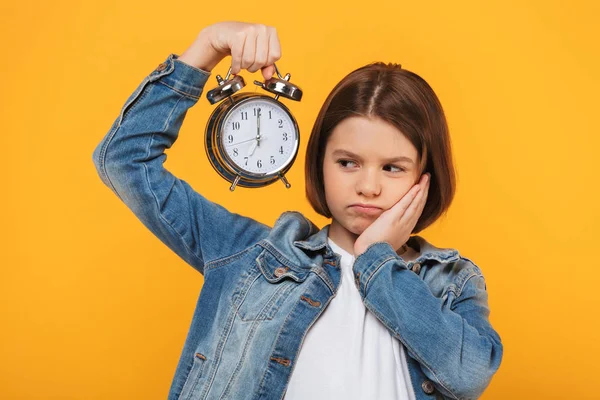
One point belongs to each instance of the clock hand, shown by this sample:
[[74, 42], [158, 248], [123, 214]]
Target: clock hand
[[255, 145], [258, 138], [258, 128], [247, 140], [243, 141], [252, 149]]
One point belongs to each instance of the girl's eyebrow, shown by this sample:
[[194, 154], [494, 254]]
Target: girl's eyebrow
[[351, 154]]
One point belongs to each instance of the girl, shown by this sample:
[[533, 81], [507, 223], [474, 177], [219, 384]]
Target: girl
[[358, 309]]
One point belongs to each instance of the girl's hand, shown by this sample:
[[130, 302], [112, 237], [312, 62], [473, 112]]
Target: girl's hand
[[396, 224], [251, 46]]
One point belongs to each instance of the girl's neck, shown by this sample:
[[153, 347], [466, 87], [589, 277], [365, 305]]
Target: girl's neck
[[342, 237]]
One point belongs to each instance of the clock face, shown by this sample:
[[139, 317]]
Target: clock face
[[259, 136]]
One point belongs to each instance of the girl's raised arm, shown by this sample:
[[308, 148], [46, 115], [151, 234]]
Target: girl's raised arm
[[130, 157]]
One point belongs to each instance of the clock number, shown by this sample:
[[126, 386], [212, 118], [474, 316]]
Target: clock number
[[280, 123], [285, 137], [256, 111], [270, 114], [230, 138], [281, 150], [259, 164], [272, 160], [235, 125], [244, 115], [235, 152], [246, 158]]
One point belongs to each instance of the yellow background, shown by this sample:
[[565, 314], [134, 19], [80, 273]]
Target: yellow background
[[93, 306]]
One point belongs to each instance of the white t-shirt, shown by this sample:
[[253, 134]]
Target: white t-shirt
[[348, 353]]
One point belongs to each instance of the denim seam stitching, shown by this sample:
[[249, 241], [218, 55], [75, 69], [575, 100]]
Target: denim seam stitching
[[244, 295], [239, 293], [122, 114], [261, 387], [368, 247], [156, 200], [280, 257], [374, 271], [169, 223], [265, 243], [135, 101], [103, 159], [219, 262], [466, 281], [180, 91], [193, 68], [263, 266], [325, 278], [134, 97], [219, 351], [197, 375], [247, 343]]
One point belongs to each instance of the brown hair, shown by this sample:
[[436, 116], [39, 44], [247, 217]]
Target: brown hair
[[403, 99]]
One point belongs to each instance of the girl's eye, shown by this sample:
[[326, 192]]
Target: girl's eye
[[399, 168], [344, 163]]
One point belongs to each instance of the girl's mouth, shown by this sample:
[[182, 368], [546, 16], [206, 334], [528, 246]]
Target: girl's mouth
[[365, 210]]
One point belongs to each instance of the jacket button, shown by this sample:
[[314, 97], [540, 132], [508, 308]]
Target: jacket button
[[416, 268], [330, 262], [279, 271], [428, 387], [161, 66]]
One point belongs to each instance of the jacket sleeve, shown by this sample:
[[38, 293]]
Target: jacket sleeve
[[451, 337], [129, 160]]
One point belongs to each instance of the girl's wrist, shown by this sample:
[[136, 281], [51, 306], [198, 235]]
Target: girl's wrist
[[201, 54]]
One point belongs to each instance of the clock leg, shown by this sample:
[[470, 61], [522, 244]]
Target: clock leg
[[235, 182], [282, 177]]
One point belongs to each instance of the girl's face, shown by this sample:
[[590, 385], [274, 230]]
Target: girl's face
[[366, 161]]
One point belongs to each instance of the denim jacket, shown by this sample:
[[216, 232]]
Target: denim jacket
[[265, 286]]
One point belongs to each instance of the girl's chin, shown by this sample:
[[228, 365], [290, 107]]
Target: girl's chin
[[357, 225]]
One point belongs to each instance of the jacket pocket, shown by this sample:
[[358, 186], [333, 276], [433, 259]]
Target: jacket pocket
[[270, 284], [190, 387]]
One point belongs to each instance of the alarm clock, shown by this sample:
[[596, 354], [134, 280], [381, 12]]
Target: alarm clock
[[252, 139]]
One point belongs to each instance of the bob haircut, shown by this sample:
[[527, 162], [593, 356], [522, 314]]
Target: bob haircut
[[403, 99]]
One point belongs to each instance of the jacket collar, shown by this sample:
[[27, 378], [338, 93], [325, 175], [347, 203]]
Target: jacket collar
[[316, 239]]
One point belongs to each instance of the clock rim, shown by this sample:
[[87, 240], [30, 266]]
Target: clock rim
[[219, 158]]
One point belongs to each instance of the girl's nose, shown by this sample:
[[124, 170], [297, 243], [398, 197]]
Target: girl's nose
[[368, 185]]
